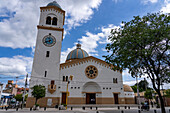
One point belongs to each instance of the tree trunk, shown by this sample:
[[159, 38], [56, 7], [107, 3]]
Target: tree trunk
[[161, 102]]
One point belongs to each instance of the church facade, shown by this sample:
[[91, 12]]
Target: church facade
[[88, 80]]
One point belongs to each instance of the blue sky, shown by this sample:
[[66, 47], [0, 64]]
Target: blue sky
[[87, 21]]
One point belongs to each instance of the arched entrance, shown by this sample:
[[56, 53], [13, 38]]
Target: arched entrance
[[90, 89]]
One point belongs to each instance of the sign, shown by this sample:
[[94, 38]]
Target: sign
[[49, 102]]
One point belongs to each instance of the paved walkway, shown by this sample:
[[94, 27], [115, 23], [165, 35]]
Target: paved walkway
[[79, 110]]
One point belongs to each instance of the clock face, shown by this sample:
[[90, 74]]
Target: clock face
[[49, 40], [91, 72]]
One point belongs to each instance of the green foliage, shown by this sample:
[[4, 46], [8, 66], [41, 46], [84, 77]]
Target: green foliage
[[38, 91], [148, 94], [142, 46], [143, 85], [167, 93], [26, 96], [134, 87], [37, 105], [18, 97]]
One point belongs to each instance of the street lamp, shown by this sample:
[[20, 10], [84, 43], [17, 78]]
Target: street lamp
[[67, 93], [138, 91]]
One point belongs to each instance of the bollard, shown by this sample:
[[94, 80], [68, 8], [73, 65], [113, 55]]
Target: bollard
[[125, 107], [71, 108], [139, 111], [118, 107], [96, 108], [97, 111], [2, 107], [30, 109], [90, 107], [129, 107], [138, 107], [122, 111], [45, 108], [17, 109], [169, 110], [6, 108], [155, 111], [83, 108]]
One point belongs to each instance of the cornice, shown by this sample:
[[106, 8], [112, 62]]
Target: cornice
[[56, 8], [84, 60], [52, 28]]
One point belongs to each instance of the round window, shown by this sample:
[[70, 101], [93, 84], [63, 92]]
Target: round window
[[91, 72]]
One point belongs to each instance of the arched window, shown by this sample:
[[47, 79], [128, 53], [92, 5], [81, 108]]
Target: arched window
[[54, 21], [48, 20]]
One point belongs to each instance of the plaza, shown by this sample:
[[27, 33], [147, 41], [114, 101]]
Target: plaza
[[88, 110]]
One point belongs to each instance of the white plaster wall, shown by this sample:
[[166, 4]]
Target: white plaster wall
[[51, 64], [129, 94], [52, 13], [104, 79]]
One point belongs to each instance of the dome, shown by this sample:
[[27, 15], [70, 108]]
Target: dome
[[77, 53], [54, 3], [127, 88]]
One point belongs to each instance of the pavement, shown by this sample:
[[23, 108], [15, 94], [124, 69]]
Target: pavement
[[80, 110]]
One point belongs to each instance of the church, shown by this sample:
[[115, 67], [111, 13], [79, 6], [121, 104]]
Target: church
[[88, 80]]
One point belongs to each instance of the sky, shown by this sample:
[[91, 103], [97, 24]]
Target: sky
[[87, 21]]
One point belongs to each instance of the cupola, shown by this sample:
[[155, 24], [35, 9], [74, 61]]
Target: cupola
[[77, 53]]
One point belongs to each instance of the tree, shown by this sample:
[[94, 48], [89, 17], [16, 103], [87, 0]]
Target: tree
[[148, 94], [167, 93], [38, 92], [142, 45], [26, 96], [143, 85], [18, 97]]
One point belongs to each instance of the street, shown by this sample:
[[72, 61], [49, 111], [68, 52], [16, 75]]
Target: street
[[78, 110]]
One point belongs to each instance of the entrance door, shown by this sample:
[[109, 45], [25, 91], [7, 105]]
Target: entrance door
[[63, 101], [116, 98], [90, 98]]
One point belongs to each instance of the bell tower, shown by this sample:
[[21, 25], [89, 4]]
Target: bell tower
[[46, 63]]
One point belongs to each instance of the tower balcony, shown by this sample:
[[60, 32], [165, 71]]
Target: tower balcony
[[51, 88]]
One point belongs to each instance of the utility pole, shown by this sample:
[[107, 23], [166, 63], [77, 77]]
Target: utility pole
[[24, 91]]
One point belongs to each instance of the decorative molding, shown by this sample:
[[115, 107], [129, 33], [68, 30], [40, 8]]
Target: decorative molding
[[87, 59], [51, 89], [52, 28], [116, 92], [91, 92]]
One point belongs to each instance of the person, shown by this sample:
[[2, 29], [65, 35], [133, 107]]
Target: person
[[152, 104], [146, 105]]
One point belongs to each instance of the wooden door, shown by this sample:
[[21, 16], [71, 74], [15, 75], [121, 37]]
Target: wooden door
[[116, 98], [63, 101], [90, 98], [87, 98]]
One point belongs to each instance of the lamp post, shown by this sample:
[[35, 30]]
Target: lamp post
[[67, 93], [24, 91], [138, 91]]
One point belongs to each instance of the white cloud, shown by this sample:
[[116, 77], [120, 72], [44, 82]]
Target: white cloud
[[19, 31], [149, 1], [15, 66], [65, 53], [90, 41], [166, 7], [79, 11], [106, 32]]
